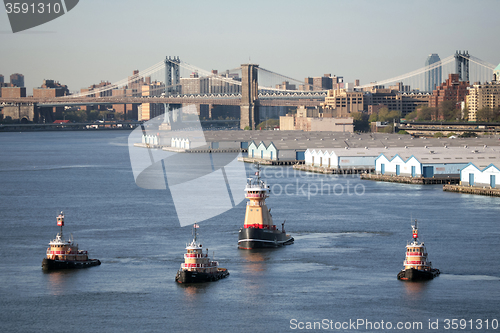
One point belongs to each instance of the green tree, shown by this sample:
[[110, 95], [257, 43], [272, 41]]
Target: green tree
[[388, 129], [270, 123], [468, 135], [412, 115], [403, 132], [93, 115], [77, 116], [438, 135], [385, 115], [488, 115], [360, 120], [373, 117], [425, 113], [247, 128], [447, 110]]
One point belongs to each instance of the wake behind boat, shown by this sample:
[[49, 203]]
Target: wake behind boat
[[417, 267], [258, 230]]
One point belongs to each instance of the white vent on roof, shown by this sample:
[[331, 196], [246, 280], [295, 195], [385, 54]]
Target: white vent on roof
[[406, 147], [431, 151], [465, 147], [475, 151], [366, 147], [385, 147], [346, 148], [426, 147]]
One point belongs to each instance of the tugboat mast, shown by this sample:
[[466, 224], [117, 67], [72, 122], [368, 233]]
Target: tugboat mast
[[415, 231], [195, 226], [60, 222]]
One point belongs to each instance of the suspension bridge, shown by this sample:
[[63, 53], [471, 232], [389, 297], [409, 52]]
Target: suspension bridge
[[171, 83]]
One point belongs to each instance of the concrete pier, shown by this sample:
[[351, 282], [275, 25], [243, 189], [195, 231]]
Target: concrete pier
[[410, 180], [325, 170], [267, 162], [493, 192]]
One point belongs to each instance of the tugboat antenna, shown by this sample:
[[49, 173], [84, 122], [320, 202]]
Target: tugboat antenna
[[60, 222], [195, 226]]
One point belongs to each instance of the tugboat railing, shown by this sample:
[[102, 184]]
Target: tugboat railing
[[258, 203], [211, 264], [194, 255]]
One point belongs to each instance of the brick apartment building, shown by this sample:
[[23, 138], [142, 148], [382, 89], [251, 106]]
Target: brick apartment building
[[451, 90]]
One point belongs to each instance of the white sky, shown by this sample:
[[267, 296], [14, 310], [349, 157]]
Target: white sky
[[367, 40]]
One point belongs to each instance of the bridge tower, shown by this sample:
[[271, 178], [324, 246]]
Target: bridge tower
[[249, 106], [462, 65], [172, 86], [172, 76]]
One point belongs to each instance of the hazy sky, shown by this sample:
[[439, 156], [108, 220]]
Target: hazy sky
[[367, 40]]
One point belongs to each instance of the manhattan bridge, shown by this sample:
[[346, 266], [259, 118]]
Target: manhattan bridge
[[173, 83]]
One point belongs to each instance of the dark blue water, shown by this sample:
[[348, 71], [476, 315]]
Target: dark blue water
[[349, 248]]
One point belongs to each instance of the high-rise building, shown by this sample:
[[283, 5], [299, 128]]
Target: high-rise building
[[482, 96], [340, 103], [1, 78], [152, 110], [394, 99], [17, 80], [433, 76], [451, 90]]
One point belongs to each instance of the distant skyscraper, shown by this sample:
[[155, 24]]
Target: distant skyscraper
[[1, 78], [433, 76], [17, 79]]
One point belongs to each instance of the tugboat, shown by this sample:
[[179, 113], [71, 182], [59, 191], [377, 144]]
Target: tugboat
[[258, 230], [65, 254], [417, 267], [198, 267]]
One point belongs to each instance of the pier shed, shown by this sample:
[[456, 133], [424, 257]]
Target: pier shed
[[471, 175], [432, 162], [279, 151], [343, 158]]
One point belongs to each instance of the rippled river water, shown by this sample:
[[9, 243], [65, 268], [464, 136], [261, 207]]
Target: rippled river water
[[349, 247]]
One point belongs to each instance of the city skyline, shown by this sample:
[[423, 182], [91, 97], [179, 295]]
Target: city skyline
[[365, 40]]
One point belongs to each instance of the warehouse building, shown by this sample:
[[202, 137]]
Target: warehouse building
[[471, 175], [433, 162], [343, 158]]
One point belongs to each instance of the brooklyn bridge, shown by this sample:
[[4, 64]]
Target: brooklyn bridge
[[248, 87]]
